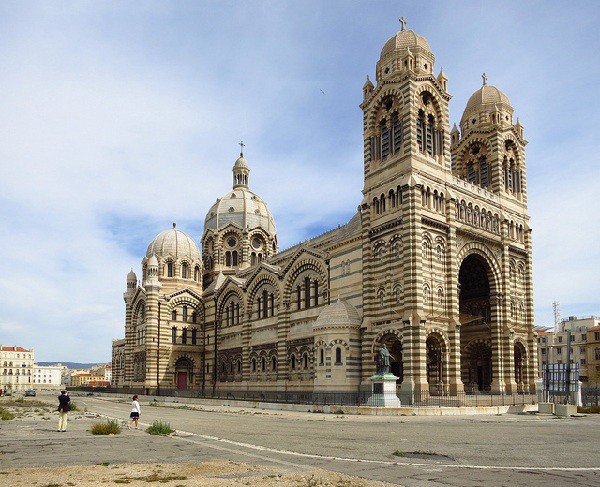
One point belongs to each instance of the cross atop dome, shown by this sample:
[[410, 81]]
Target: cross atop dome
[[484, 76], [242, 145], [403, 22]]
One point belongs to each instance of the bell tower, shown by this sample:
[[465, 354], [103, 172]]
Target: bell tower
[[406, 166]]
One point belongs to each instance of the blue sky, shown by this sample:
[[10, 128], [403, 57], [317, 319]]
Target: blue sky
[[118, 118]]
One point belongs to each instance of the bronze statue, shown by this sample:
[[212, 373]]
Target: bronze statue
[[383, 360]]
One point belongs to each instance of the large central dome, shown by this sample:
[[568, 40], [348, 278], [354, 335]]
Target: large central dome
[[240, 206], [243, 208]]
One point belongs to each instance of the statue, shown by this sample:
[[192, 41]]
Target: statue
[[383, 360]]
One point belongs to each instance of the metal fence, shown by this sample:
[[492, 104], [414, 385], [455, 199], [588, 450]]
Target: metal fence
[[590, 396], [423, 399]]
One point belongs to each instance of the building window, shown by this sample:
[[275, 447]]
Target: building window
[[173, 335], [273, 363], [184, 270], [185, 313], [338, 356], [293, 362], [322, 356], [263, 364], [184, 336], [253, 365], [196, 273], [174, 315], [170, 269], [597, 335]]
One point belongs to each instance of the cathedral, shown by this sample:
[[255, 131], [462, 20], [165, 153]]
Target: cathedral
[[435, 264]]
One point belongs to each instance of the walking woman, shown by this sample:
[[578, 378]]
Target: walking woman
[[135, 413]]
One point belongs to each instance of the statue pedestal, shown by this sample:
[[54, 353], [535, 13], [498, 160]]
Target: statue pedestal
[[383, 391]]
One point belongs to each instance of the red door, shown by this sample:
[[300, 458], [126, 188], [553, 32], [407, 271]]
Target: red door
[[181, 380]]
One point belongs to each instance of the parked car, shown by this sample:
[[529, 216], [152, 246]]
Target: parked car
[[30, 393]]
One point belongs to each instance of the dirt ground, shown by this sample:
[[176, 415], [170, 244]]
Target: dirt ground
[[204, 474]]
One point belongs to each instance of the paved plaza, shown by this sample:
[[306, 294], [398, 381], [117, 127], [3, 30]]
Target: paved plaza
[[524, 449]]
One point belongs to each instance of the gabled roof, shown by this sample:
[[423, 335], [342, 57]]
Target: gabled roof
[[14, 349]]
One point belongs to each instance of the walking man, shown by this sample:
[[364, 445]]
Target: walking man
[[63, 409]]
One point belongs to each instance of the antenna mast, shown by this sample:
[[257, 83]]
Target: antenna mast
[[556, 308]]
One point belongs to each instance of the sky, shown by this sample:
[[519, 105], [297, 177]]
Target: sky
[[119, 118]]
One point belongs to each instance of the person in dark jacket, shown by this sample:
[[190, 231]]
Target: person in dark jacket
[[63, 409]]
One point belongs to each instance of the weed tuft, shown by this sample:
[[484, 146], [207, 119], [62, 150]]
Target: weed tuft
[[160, 428], [111, 427]]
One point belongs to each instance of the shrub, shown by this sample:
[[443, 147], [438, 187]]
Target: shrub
[[73, 406], [111, 427], [160, 428], [6, 415]]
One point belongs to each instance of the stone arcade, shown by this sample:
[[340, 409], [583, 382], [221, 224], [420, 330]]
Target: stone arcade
[[436, 264]]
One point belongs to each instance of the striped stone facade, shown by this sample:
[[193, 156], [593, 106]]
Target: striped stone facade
[[436, 264]]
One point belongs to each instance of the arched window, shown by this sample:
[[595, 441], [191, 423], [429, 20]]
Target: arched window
[[253, 258], [376, 206], [265, 303], [228, 258], [170, 269], [322, 357], [392, 198], [425, 294], [299, 297], [305, 360], [196, 273], [421, 130], [235, 258], [185, 313], [338, 356], [239, 366], [398, 295], [316, 293], [194, 336], [253, 365], [381, 298], [173, 335], [263, 364], [382, 203], [184, 270], [273, 363], [184, 336], [293, 362], [194, 317], [307, 292], [174, 315], [398, 196], [385, 140]]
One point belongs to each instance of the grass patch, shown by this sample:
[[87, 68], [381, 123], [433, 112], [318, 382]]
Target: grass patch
[[111, 427], [589, 409], [399, 453], [73, 405], [6, 415], [160, 428], [153, 404], [104, 464], [122, 481], [338, 411], [22, 403], [425, 452]]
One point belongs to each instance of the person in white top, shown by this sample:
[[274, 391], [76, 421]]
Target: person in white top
[[135, 413]]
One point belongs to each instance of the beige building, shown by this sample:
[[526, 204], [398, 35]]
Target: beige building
[[17, 368], [593, 355], [47, 375], [571, 339], [436, 264]]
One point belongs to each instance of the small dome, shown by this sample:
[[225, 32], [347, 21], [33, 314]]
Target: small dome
[[405, 39], [173, 243], [152, 261], [486, 95], [243, 208], [131, 275], [241, 163], [339, 313]]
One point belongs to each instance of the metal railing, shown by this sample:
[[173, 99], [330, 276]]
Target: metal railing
[[412, 399]]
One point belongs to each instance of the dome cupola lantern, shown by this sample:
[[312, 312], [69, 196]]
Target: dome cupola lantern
[[241, 171]]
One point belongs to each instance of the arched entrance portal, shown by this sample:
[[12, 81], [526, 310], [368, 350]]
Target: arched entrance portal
[[435, 363], [520, 366], [183, 372], [394, 345], [475, 316]]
